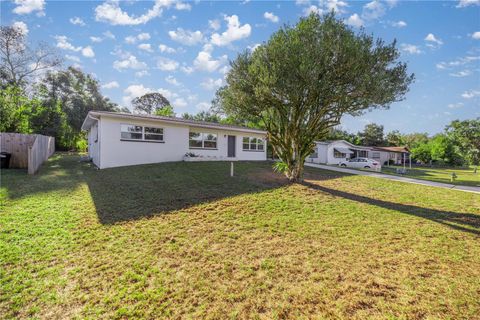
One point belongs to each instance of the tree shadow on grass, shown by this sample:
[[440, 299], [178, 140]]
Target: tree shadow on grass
[[131, 193], [465, 222]]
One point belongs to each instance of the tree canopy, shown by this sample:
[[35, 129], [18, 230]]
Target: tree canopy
[[306, 77], [372, 135], [151, 103], [19, 61]]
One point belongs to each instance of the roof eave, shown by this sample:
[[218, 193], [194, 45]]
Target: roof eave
[[190, 124]]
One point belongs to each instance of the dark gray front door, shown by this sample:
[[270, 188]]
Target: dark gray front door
[[231, 146]]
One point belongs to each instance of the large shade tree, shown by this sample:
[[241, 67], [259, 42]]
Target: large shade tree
[[153, 103], [466, 137], [19, 61], [372, 135], [306, 77]]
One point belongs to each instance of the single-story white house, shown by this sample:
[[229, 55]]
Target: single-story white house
[[122, 139], [334, 152]]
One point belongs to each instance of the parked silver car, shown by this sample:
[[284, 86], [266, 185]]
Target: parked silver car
[[362, 163]]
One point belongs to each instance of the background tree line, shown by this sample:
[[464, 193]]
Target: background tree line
[[458, 144]]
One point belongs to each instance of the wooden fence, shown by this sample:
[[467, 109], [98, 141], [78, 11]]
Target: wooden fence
[[28, 151]]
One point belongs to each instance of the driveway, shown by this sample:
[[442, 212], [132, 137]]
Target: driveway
[[395, 178]]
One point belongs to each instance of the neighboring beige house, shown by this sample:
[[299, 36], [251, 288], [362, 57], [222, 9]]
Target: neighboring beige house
[[334, 152], [123, 139]]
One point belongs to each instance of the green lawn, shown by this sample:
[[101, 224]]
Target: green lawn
[[184, 240], [465, 177]]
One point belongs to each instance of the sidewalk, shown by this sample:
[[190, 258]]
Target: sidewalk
[[395, 178]]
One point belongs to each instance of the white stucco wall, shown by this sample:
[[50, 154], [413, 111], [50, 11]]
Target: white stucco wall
[[116, 153], [93, 144], [336, 144]]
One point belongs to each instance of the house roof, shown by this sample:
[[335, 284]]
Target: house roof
[[95, 115], [353, 146], [392, 149]]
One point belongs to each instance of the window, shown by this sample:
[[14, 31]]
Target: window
[[376, 155], [155, 134], [134, 132], [131, 132], [253, 144], [203, 140], [363, 153], [337, 154]]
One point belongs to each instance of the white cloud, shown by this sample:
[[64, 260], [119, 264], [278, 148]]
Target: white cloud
[[130, 39], [141, 73], [134, 91], [270, 16], [186, 37], [109, 35], [77, 21], [179, 103], [111, 85], [399, 24], [211, 84], [187, 69], [138, 90], [167, 93], [455, 105], [458, 62], [129, 61], [145, 47], [373, 10], [476, 35], [355, 21], [106, 35], [205, 62], [410, 48], [336, 5], [302, 2], [391, 3], [111, 12], [166, 64], [143, 36], [88, 52], [433, 41], [234, 32], [63, 43], [22, 26], [461, 74], [214, 24], [173, 81], [312, 9], [29, 6], [203, 106], [165, 49], [466, 3], [140, 37], [72, 58], [471, 94]]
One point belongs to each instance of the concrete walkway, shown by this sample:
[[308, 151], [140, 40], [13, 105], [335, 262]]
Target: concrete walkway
[[395, 178]]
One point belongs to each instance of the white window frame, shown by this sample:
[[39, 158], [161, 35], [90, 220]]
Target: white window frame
[[142, 133], [154, 134], [256, 144], [336, 153], [203, 135]]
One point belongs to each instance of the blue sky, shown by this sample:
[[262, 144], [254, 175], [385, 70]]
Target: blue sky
[[182, 49]]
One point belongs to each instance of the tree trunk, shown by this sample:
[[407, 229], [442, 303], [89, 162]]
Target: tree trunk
[[294, 172]]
